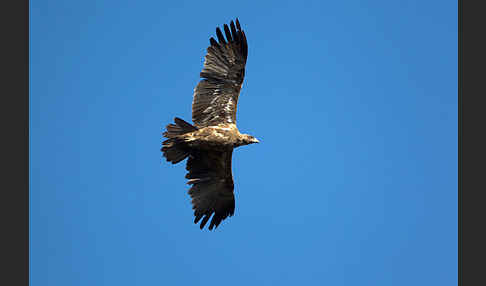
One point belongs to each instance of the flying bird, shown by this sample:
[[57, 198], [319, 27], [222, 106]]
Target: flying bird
[[209, 142]]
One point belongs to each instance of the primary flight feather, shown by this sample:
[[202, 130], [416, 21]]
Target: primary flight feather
[[209, 143]]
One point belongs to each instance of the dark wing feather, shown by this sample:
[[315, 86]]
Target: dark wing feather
[[216, 95], [212, 186]]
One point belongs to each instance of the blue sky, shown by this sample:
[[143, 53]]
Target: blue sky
[[354, 181]]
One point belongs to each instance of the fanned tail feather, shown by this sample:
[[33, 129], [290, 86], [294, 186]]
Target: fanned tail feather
[[173, 148]]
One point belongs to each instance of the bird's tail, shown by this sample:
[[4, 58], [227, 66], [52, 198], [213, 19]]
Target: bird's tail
[[173, 148]]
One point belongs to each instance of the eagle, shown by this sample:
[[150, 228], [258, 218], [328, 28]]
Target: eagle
[[209, 142]]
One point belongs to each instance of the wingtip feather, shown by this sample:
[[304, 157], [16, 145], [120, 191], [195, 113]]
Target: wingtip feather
[[238, 24], [227, 33], [220, 36]]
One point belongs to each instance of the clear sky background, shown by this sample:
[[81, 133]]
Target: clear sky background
[[354, 181]]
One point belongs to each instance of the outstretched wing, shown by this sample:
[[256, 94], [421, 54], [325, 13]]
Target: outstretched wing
[[216, 95], [212, 186]]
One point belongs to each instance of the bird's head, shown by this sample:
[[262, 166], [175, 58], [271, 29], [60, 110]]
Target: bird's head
[[247, 140]]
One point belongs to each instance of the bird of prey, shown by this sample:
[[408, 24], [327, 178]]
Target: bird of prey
[[209, 143]]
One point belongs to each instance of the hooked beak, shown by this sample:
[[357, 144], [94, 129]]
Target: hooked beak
[[256, 141]]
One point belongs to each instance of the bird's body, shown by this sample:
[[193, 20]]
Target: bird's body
[[209, 143]]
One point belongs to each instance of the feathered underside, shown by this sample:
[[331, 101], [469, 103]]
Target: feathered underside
[[212, 186], [215, 97]]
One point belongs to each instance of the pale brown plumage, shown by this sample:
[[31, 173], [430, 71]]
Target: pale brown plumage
[[210, 142]]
